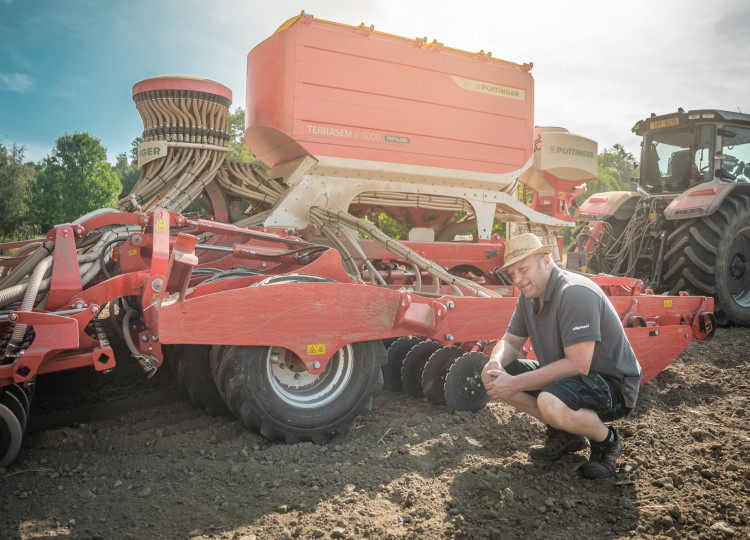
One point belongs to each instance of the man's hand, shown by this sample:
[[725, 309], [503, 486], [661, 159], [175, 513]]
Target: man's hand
[[492, 365], [500, 386]]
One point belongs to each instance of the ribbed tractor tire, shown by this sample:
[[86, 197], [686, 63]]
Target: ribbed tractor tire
[[169, 362], [710, 256], [218, 369], [296, 406], [193, 369]]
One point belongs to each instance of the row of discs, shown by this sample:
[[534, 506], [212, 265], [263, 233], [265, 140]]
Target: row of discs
[[443, 375], [15, 403]]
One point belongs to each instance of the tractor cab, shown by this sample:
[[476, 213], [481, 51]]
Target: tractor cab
[[684, 149]]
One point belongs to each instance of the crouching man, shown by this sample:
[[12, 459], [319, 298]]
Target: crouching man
[[586, 373]]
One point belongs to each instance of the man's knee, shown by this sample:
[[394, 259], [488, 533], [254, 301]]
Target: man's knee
[[552, 407]]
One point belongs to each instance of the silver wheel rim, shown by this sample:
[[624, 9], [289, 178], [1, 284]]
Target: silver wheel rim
[[304, 390]]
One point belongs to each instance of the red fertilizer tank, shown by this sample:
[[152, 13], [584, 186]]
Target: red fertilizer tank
[[326, 89], [347, 117]]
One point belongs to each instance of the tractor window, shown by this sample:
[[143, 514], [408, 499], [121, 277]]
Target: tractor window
[[735, 166], [704, 145], [677, 159], [666, 161]]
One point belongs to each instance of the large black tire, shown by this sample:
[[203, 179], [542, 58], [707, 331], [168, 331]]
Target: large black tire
[[169, 361], [218, 365], [294, 406], [710, 256], [193, 369]]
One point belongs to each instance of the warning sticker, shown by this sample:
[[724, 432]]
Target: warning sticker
[[315, 349]]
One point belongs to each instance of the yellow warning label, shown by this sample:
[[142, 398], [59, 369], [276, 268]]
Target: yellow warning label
[[132, 252], [318, 348], [667, 303], [161, 225]]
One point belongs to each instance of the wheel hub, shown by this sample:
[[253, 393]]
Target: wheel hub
[[738, 276], [291, 381]]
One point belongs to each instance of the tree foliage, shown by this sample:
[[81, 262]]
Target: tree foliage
[[75, 179], [614, 170], [385, 223], [17, 182], [239, 151], [126, 168]]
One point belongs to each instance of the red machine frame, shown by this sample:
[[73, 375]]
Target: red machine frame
[[157, 266]]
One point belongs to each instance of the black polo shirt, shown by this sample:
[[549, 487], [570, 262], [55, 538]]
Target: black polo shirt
[[577, 310]]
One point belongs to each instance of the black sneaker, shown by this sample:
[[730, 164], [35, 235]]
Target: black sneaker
[[557, 445], [603, 459]]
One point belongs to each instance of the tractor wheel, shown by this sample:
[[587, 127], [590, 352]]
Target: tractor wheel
[[270, 390], [193, 368], [169, 361], [218, 365], [710, 256]]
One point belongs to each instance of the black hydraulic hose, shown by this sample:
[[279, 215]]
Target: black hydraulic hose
[[103, 253]]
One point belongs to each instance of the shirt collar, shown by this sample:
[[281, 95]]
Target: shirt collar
[[554, 279]]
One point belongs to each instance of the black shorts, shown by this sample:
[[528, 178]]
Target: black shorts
[[591, 391]]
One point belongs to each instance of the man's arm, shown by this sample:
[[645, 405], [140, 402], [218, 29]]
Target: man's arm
[[503, 353], [507, 350], [502, 386]]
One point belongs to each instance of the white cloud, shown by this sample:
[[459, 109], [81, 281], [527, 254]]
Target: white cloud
[[16, 82]]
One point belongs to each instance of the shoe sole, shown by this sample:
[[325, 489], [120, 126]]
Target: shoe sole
[[565, 450], [597, 473]]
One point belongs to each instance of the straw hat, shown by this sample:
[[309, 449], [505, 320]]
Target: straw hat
[[522, 246]]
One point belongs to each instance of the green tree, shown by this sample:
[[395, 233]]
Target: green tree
[[17, 182], [75, 179], [239, 151], [386, 223], [127, 169], [614, 170]]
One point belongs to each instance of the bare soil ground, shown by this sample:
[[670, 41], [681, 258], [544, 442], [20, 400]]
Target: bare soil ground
[[122, 456]]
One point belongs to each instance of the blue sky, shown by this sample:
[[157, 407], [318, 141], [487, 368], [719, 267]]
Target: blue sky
[[69, 65]]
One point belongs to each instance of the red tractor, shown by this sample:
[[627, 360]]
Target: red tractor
[[687, 228]]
